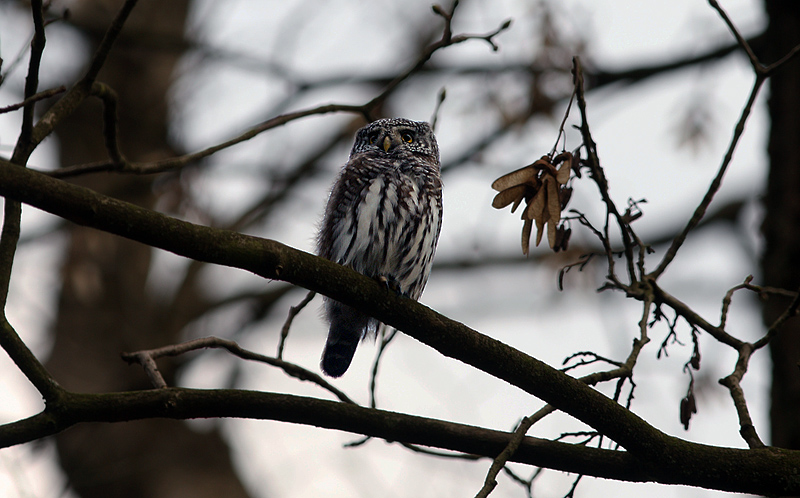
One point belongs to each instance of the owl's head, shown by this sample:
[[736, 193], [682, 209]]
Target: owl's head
[[395, 135]]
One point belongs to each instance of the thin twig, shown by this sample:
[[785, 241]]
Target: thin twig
[[146, 359], [726, 301], [46, 94], [108, 96], [67, 104], [500, 461], [373, 378], [10, 341], [790, 312], [365, 110], [112, 33], [293, 312], [22, 150], [598, 175], [757, 66]]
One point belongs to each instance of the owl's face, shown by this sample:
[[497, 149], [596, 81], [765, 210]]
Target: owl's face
[[396, 136]]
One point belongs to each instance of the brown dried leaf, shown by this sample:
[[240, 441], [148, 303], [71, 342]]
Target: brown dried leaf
[[564, 195], [536, 206], [553, 201], [539, 231], [514, 178], [564, 170], [564, 245], [688, 407], [509, 195], [553, 211], [526, 236]]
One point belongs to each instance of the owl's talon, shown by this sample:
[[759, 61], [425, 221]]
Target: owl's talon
[[390, 282]]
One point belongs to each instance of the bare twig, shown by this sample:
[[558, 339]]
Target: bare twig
[[726, 301], [67, 104], [740, 40], [373, 378], [112, 33], [598, 175], [714, 186], [439, 101], [733, 383], [46, 94], [23, 148], [365, 110], [293, 312], [147, 359], [500, 461], [593, 358], [10, 341], [790, 312], [110, 121]]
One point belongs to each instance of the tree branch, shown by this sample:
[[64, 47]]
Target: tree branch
[[764, 471], [273, 260]]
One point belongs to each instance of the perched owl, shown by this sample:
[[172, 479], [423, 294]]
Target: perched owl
[[382, 219]]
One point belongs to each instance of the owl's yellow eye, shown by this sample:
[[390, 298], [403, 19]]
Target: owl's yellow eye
[[408, 137]]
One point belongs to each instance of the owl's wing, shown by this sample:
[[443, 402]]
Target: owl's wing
[[347, 192]]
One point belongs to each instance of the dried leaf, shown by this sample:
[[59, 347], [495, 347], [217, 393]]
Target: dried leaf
[[562, 238], [542, 185], [542, 163], [564, 171], [687, 409], [539, 231], [509, 195], [516, 204], [564, 195], [565, 239], [553, 211], [526, 236], [514, 178], [551, 233], [553, 200], [564, 156], [536, 206]]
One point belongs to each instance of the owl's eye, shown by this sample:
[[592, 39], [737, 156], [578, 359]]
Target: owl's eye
[[408, 137]]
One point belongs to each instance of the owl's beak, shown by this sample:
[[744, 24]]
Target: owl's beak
[[387, 142]]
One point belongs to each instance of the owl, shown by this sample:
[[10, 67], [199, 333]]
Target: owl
[[382, 219]]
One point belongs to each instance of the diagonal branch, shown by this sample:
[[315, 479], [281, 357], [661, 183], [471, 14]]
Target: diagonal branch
[[273, 260], [700, 211], [147, 360]]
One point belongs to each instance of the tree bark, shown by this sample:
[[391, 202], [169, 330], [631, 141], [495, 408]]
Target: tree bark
[[781, 227], [106, 305]]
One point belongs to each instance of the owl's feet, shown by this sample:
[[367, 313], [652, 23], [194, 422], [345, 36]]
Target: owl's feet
[[390, 282]]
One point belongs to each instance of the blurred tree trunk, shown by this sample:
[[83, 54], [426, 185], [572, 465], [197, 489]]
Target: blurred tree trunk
[[106, 305], [781, 260]]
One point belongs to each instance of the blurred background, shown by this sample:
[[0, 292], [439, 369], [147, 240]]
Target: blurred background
[[666, 85]]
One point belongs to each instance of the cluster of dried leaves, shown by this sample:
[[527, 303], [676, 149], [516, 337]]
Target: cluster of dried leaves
[[543, 187]]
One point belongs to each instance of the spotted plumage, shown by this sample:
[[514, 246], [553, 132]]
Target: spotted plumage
[[382, 219]]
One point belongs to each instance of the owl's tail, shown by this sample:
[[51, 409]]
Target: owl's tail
[[347, 328]]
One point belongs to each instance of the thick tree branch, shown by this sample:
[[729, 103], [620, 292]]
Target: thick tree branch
[[181, 403], [273, 260], [764, 471]]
